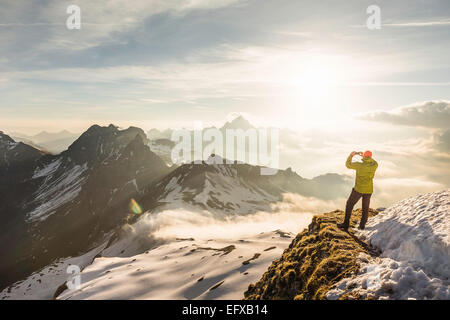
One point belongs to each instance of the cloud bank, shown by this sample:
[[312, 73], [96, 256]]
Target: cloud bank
[[290, 215], [442, 140], [429, 114]]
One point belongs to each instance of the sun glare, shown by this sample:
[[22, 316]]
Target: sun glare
[[315, 87]]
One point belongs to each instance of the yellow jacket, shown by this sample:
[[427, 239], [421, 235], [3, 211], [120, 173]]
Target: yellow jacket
[[365, 172]]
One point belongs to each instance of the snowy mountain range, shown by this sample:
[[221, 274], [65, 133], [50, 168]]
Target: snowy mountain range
[[161, 143], [202, 230], [225, 257], [59, 205], [56, 206]]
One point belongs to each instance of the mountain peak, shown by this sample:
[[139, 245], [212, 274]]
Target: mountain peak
[[46, 135], [5, 138], [238, 123], [154, 134], [96, 128], [16, 154], [98, 142]]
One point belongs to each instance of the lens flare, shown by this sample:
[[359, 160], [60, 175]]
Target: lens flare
[[135, 207]]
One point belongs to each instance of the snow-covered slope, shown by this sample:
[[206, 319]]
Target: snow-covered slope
[[226, 189], [413, 237], [184, 269], [175, 254], [60, 189], [218, 188]]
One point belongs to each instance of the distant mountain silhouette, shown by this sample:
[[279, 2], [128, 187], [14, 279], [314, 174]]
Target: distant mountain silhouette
[[54, 142], [238, 123]]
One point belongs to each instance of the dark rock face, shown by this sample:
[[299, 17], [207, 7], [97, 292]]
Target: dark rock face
[[17, 163], [62, 205], [16, 158]]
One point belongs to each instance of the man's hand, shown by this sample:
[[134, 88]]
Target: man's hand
[[356, 153]]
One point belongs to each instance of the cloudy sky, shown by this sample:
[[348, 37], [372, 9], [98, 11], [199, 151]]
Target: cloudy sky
[[312, 66]]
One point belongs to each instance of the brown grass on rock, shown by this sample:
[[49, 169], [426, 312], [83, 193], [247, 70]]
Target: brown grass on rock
[[315, 260]]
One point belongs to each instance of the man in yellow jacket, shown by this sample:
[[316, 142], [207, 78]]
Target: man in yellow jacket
[[365, 172]]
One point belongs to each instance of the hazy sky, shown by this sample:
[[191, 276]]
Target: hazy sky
[[312, 66], [169, 63]]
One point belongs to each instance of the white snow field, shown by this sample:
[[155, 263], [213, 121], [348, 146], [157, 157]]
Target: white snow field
[[185, 269], [413, 237], [174, 254]]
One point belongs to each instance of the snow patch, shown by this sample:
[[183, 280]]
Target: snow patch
[[48, 169], [56, 191], [413, 237], [197, 257]]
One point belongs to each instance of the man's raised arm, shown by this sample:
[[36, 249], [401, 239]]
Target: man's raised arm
[[349, 164]]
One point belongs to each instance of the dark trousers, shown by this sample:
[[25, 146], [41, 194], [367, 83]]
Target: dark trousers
[[352, 200]]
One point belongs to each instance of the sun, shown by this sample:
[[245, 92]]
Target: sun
[[315, 86], [316, 76]]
